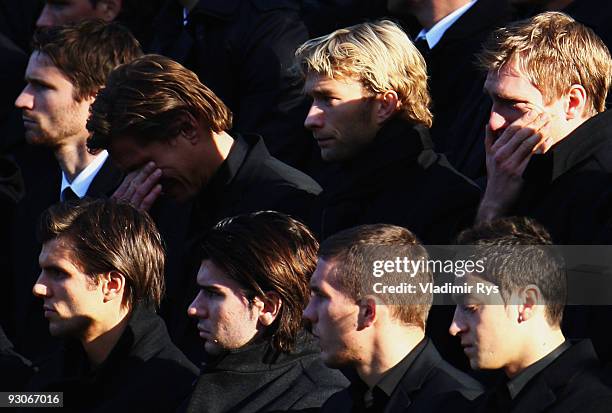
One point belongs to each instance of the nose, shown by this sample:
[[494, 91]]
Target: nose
[[46, 18], [315, 118], [497, 121], [25, 100], [197, 309], [456, 326], [309, 314], [40, 289]]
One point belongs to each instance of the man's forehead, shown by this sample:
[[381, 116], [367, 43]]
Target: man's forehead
[[42, 64], [318, 81], [212, 274], [57, 249]]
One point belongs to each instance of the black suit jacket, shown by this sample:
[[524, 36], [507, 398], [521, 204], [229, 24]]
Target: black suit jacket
[[571, 383], [460, 107], [400, 180], [143, 372], [569, 189], [42, 176], [429, 385]]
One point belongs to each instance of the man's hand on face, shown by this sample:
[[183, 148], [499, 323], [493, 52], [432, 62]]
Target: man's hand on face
[[140, 188], [508, 156]]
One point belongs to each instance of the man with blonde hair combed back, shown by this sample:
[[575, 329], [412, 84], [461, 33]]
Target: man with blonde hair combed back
[[370, 115]]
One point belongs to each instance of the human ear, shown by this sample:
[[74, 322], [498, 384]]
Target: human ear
[[576, 102], [113, 285], [529, 297], [388, 103], [108, 10], [270, 306], [368, 312]]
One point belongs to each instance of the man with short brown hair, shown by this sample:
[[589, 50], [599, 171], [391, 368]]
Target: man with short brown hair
[[516, 327], [102, 277], [380, 335]]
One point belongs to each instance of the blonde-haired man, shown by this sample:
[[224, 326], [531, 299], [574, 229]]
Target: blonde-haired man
[[370, 115], [549, 155]]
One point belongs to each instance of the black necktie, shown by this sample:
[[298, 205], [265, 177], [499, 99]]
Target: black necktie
[[69, 195], [423, 46]]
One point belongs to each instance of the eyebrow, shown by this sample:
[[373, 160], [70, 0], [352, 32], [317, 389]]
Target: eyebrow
[[209, 287], [38, 81]]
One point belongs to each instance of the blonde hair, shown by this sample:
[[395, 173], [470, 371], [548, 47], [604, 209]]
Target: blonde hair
[[554, 52], [378, 54]]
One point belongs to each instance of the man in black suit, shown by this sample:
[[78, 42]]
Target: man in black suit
[[172, 134], [452, 33], [64, 73], [370, 117], [549, 153], [378, 338], [517, 326], [101, 281]]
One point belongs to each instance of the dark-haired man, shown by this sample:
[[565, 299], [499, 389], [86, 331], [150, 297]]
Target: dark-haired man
[[68, 66], [253, 285], [378, 336], [102, 276], [172, 134], [518, 328]]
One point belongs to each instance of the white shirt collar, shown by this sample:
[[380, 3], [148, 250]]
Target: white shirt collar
[[434, 34], [81, 183]]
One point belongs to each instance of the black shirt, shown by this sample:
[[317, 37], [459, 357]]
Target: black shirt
[[375, 400]]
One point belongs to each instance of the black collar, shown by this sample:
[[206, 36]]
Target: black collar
[[584, 142], [261, 356], [381, 393], [397, 141], [517, 383]]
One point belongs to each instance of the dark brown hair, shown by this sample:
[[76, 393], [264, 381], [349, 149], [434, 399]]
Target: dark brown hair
[[518, 252], [267, 251], [148, 98], [352, 253], [105, 235], [86, 52]]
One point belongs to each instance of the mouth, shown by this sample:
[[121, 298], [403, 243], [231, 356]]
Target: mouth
[[48, 311], [325, 141]]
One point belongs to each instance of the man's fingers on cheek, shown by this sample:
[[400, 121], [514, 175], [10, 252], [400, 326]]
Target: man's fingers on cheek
[[148, 201]]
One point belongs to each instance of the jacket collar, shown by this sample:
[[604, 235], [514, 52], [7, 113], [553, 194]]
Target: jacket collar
[[541, 392], [141, 339], [261, 357], [585, 141], [397, 141]]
